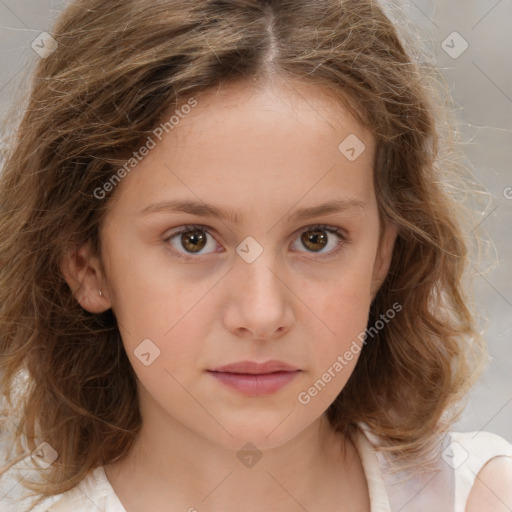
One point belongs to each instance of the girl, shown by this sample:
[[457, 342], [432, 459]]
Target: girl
[[231, 276]]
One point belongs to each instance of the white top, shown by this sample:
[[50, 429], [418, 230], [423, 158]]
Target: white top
[[446, 489]]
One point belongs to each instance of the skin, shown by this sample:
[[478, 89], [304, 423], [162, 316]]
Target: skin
[[264, 153], [492, 490]]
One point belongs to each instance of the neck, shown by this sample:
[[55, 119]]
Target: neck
[[175, 465]]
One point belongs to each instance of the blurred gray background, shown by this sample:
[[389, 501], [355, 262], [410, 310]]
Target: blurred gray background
[[480, 77]]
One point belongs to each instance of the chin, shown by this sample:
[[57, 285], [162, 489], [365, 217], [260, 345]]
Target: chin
[[264, 435]]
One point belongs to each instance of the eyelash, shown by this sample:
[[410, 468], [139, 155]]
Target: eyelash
[[330, 229]]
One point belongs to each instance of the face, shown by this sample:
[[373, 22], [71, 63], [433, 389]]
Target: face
[[218, 250]]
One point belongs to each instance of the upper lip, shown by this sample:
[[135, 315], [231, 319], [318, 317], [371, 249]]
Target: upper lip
[[251, 367]]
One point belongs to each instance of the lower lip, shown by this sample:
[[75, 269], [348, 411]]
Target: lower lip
[[254, 385]]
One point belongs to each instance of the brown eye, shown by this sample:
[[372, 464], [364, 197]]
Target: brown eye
[[314, 240], [193, 241], [323, 240]]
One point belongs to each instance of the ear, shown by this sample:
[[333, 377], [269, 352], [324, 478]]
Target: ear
[[383, 257], [83, 273]]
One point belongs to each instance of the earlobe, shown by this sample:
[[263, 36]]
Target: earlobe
[[82, 271], [383, 258]]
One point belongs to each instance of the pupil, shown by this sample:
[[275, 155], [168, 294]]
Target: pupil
[[318, 239], [192, 241]]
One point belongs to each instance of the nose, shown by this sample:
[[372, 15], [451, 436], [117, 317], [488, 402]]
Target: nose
[[260, 304]]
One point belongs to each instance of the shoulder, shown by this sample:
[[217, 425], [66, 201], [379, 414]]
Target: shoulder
[[93, 493], [88, 496], [492, 490], [468, 472], [15, 469], [483, 471], [14, 496]]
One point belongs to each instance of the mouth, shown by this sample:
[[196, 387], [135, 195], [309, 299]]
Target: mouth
[[254, 368], [253, 379]]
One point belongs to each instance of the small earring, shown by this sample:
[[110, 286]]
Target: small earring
[[101, 293]]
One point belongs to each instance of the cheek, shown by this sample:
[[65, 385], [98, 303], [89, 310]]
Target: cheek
[[171, 312], [346, 315], [142, 294], [346, 297], [336, 342], [152, 309], [343, 307]]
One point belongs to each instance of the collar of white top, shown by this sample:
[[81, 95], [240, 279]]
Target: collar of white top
[[379, 501]]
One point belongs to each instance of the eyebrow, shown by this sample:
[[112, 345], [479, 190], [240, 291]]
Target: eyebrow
[[206, 210]]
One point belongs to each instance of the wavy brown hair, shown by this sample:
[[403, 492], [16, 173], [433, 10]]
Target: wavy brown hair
[[118, 68]]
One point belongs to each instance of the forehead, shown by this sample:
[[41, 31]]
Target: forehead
[[278, 105], [246, 146]]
